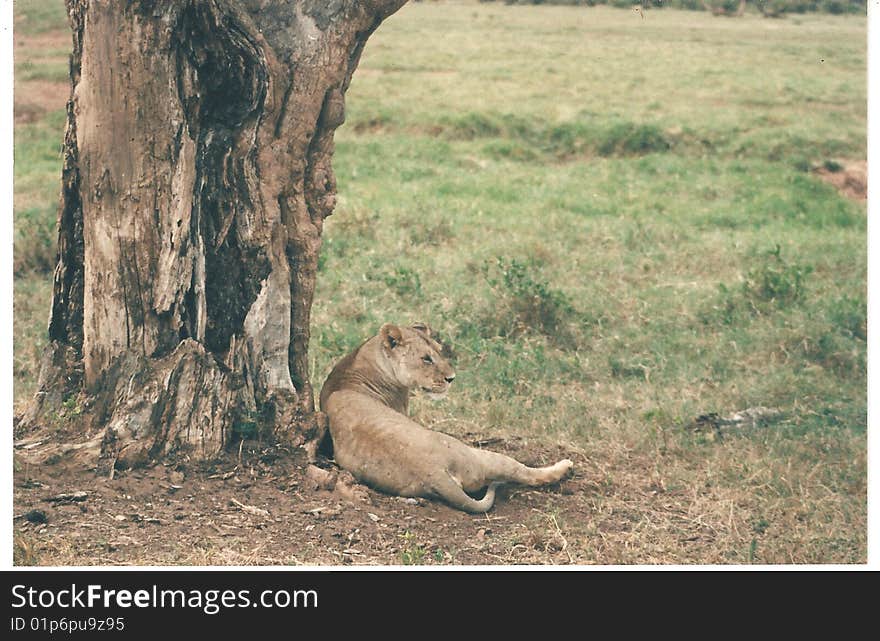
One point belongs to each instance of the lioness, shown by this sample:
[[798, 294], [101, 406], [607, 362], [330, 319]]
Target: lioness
[[366, 398]]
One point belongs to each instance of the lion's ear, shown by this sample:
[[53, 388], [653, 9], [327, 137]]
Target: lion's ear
[[423, 329], [391, 335]]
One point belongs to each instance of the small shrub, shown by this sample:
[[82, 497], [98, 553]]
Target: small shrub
[[849, 315], [71, 407], [631, 139], [836, 353], [772, 284], [411, 553], [525, 302], [475, 125], [510, 150], [525, 139], [775, 281], [404, 282], [833, 166], [837, 7], [568, 139], [730, 7]]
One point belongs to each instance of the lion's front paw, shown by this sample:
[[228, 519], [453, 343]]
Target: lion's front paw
[[349, 489]]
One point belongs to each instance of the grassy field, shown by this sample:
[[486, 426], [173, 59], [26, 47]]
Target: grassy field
[[615, 222]]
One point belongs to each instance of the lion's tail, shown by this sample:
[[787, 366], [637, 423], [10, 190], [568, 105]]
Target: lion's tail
[[485, 504], [455, 496]]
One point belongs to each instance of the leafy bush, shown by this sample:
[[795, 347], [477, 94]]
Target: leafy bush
[[775, 281], [781, 7], [475, 125], [772, 284], [403, 282], [524, 302], [525, 139], [729, 7], [836, 353], [849, 315], [631, 139]]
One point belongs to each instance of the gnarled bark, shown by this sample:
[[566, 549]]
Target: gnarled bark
[[197, 176]]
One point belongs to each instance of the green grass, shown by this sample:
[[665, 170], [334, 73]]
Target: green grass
[[52, 71], [31, 298], [36, 175], [575, 69], [613, 223], [38, 16]]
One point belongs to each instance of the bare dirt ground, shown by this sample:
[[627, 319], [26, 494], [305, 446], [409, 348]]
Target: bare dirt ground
[[268, 507], [850, 178]]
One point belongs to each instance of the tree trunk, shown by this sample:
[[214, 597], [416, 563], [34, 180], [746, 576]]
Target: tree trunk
[[195, 183]]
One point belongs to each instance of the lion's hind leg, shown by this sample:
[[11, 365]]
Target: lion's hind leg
[[556, 472], [500, 467]]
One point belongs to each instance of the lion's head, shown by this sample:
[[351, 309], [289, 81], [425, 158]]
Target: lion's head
[[415, 358]]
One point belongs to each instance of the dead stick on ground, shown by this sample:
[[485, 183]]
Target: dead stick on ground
[[250, 509], [561, 536]]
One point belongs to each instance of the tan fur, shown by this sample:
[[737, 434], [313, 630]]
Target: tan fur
[[366, 398]]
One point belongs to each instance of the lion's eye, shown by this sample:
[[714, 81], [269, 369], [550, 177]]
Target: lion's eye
[[427, 360]]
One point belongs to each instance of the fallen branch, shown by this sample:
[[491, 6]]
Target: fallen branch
[[250, 509], [72, 497]]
